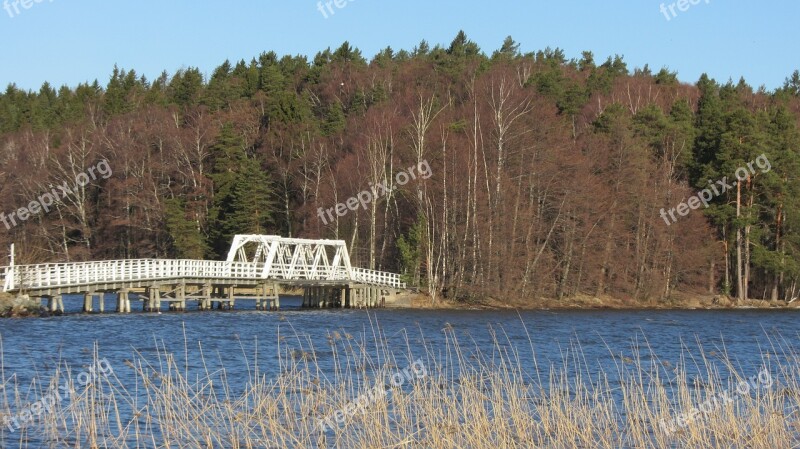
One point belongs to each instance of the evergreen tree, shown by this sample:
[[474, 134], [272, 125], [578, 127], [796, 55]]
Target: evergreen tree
[[508, 51], [188, 241], [186, 87], [242, 202]]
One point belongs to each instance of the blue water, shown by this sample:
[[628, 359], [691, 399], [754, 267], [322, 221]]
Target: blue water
[[241, 339]]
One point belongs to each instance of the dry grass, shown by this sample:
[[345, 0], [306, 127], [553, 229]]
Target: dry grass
[[467, 398]]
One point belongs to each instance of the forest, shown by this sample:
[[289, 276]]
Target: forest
[[548, 175]]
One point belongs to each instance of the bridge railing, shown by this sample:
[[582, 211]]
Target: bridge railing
[[366, 276], [83, 273], [55, 275], [307, 272], [5, 279]]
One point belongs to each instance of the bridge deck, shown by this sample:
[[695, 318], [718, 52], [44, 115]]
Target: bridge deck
[[255, 262], [67, 277]]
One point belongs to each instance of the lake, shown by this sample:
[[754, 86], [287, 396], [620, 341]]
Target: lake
[[590, 347]]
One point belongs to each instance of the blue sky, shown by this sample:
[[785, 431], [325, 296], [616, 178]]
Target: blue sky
[[70, 41]]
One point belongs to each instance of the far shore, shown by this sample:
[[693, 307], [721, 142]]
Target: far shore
[[683, 301], [12, 307]]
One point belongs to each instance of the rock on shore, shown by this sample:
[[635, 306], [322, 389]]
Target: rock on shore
[[19, 306]]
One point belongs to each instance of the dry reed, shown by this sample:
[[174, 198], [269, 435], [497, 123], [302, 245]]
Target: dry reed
[[466, 397]]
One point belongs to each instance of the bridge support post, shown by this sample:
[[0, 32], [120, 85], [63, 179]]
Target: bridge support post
[[87, 302], [205, 299], [181, 296], [263, 297], [154, 299], [59, 300], [123, 301], [51, 304], [101, 301], [346, 293], [231, 298]]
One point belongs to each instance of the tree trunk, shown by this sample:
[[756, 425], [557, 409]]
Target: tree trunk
[[739, 268]]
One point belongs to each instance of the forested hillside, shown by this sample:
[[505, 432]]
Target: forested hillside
[[549, 174]]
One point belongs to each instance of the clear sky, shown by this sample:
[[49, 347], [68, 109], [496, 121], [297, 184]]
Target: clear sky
[[71, 41]]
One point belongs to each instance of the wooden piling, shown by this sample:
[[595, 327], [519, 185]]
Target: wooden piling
[[123, 301], [181, 296], [51, 304], [88, 307]]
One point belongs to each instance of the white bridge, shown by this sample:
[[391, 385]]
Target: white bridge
[[253, 261]]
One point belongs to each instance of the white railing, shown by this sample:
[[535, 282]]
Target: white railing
[[366, 276], [43, 276], [5, 279]]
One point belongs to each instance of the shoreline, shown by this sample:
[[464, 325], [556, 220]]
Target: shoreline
[[13, 307], [684, 302]]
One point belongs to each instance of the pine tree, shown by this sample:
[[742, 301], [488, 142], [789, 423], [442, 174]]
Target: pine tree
[[188, 241], [242, 202]]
